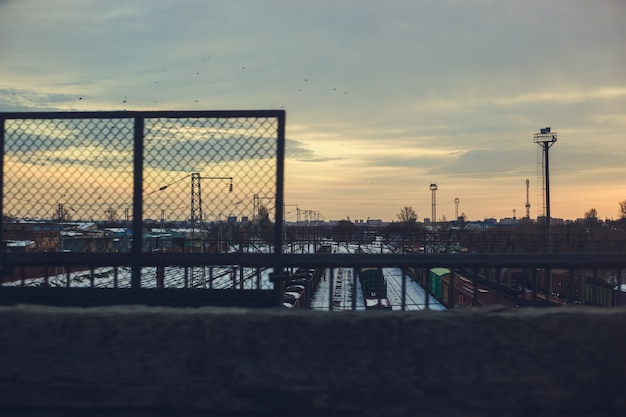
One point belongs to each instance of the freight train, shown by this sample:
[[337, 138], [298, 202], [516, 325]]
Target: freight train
[[459, 290], [464, 289], [580, 287], [374, 287]]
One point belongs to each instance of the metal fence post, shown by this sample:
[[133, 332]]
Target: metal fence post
[[2, 127], [137, 203]]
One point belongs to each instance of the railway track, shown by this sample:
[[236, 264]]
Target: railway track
[[343, 290], [173, 277]]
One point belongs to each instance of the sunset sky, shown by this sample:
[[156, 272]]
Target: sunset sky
[[383, 98]]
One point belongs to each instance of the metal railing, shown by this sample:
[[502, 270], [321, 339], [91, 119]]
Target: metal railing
[[241, 272]]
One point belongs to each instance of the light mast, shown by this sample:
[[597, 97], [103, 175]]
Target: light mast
[[527, 201]]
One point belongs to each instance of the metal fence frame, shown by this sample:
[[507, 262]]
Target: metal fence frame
[[137, 258]]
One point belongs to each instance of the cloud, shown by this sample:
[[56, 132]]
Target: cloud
[[30, 99], [488, 163], [443, 88], [295, 149], [321, 159], [169, 144]]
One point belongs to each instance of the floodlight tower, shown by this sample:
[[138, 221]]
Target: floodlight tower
[[456, 208], [545, 139], [527, 202], [433, 191]]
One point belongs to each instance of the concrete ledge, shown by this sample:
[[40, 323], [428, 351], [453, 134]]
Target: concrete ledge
[[135, 360]]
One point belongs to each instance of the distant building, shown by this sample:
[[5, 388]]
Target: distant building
[[508, 220], [20, 245], [46, 238]]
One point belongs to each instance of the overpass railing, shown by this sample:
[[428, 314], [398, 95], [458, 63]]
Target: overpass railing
[[241, 279]]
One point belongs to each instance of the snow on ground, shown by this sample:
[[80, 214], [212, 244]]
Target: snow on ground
[[336, 291], [173, 277], [342, 294], [342, 301], [341, 290]]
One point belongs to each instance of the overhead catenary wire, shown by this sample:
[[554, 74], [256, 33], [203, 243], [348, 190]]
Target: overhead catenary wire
[[167, 185]]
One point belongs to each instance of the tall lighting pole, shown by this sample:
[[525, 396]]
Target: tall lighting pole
[[545, 139], [433, 220], [433, 191]]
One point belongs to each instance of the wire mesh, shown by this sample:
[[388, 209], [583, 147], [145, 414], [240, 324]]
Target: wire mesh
[[74, 175], [67, 170]]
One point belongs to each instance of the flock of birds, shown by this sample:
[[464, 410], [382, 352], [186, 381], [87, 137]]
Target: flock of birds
[[33, 100], [125, 101]]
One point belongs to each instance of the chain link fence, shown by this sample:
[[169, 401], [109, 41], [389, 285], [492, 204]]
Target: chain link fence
[[202, 176], [88, 199]]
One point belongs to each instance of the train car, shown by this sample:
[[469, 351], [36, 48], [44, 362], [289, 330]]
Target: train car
[[294, 296], [455, 290], [436, 277], [581, 288], [374, 287]]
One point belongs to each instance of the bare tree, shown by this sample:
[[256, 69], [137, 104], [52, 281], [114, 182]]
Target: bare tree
[[462, 220], [344, 231], [592, 214], [111, 215], [408, 225], [264, 214], [622, 209], [266, 226], [407, 215], [591, 217], [61, 214]]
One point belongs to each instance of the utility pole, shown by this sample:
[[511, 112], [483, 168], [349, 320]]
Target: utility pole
[[196, 198], [196, 195]]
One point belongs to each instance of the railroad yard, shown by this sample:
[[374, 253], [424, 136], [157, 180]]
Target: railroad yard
[[342, 292], [335, 287]]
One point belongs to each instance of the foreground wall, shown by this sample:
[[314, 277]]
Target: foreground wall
[[138, 361]]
